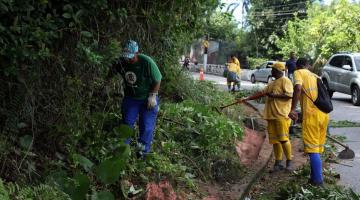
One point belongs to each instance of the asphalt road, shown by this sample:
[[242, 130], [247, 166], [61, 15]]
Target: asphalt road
[[343, 110], [349, 175], [221, 82]]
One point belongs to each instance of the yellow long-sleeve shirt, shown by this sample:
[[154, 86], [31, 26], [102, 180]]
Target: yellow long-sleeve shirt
[[232, 67], [236, 61]]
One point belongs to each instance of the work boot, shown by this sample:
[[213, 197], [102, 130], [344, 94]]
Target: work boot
[[238, 86], [277, 166], [289, 166], [321, 185], [140, 150]]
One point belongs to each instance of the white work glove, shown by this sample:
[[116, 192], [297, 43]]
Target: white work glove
[[152, 100]]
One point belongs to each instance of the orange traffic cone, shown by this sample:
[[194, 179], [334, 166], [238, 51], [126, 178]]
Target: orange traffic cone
[[201, 74]]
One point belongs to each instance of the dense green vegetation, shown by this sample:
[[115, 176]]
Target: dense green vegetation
[[267, 19], [60, 129], [326, 30]]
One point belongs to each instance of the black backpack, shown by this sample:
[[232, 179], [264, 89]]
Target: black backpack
[[323, 100]]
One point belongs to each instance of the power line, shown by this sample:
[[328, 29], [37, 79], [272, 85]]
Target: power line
[[280, 11], [283, 5], [276, 14]]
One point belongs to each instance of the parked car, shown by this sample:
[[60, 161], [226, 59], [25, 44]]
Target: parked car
[[263, 73], [342, 74]]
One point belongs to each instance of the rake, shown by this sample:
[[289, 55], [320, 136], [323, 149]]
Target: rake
[[347, 153]]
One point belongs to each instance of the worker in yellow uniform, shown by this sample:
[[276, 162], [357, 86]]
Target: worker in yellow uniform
[[235, 60], [314, 121], [277, 108], [234, 73]]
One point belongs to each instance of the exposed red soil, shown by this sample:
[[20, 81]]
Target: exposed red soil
[[161, 190], [253, 152]]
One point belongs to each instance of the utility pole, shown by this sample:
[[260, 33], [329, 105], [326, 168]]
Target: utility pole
[[206, 46]]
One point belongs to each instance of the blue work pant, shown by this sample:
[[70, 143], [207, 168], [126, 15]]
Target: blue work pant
[[131, 109]]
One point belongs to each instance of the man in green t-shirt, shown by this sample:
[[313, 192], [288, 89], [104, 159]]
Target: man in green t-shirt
[[141, 85]]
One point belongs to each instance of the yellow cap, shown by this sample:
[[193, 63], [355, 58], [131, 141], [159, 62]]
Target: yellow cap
[[279, 66]]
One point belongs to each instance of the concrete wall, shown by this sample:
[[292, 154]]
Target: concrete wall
[[219, 70]]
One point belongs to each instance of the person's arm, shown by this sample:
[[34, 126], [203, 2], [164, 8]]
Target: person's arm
[[257, 95], [295, 100], [286, 68], [152, 102], [155, 87]]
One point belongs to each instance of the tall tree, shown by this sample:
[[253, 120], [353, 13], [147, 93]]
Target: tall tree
[[326, 30], [267, 20]]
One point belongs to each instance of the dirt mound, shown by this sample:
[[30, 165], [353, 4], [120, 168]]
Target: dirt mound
[[249, 148], [161, 191]]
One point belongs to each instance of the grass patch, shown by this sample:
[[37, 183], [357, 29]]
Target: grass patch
[[298, 188], [343, 123]]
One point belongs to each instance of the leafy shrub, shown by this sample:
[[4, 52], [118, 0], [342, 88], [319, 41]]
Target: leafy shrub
[[193, 132], [55, 56], [327, 29], [41, 192], [216, 132], [296, 192]]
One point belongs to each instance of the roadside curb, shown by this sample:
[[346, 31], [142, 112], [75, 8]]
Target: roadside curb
[[253, 179]]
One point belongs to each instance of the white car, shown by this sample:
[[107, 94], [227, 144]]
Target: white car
[[263, 73]]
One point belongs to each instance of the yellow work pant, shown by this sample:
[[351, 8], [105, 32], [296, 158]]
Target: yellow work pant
[[278, 130], [314, 131]]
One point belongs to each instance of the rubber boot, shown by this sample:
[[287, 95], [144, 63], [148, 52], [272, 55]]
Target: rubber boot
[[238, 86], [289, 166], [316, 169], [277, 166]]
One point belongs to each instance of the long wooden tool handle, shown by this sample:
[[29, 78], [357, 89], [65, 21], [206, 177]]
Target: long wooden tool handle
[[337, 141], [222, 107]]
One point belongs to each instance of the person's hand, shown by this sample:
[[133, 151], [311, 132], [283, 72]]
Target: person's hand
[[152, 100], [242, 99], [270, 94], [293, 115]]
